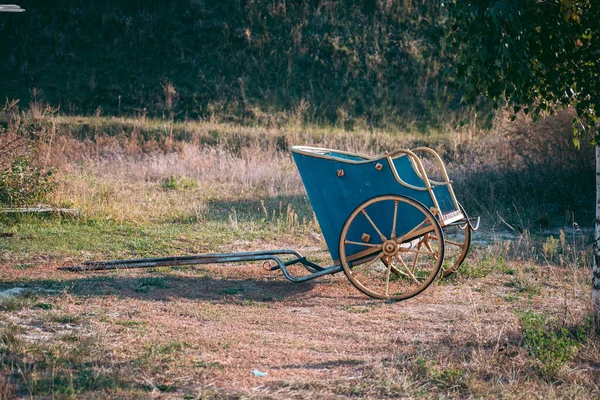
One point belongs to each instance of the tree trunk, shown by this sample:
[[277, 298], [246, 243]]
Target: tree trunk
[[596, 249]]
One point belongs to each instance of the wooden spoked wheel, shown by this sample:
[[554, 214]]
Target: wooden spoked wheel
[[381, 249], [457, 240]]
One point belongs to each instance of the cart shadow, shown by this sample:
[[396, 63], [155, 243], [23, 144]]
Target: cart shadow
[[166, 288]]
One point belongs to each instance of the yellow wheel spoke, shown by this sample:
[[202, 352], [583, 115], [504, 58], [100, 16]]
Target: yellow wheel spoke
[[363, 268], [408, 234], [387, 278], [412, 276], [363, 244], [364, 212], [434, 253], [416, 257], [397, 271], [429, 253], [394, 221], [461, 245]]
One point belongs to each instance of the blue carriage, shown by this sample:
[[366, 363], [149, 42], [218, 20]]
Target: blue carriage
[[383, 219], [388, 226]]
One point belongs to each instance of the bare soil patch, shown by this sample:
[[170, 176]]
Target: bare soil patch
[[196, 331]]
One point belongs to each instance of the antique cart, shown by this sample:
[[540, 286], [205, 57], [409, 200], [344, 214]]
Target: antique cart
[[387, 225]]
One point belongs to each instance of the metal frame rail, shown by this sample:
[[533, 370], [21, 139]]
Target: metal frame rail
[[265, 255]]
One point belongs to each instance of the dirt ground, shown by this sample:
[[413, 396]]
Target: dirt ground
[[208, 331]]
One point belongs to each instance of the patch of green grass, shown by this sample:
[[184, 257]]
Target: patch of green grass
[[44, 306], [71, 378], [172, 347], [449, 377], [524, 283], [146, 284], [63, 318], [18, 302], [110, 239], [73, 366], [357, 389], [208, 365], [160, 353], [249, 302], [493, 263], [470, 270], [165, 387], [357, 309], [510, 297], [232, 291], [509, 271], [130, 323], [551, 348], [22, 267], [474, 271], [70, 337], [9, 339], [178, 183]]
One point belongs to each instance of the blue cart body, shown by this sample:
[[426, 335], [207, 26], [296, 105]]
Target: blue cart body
[[337, 182]]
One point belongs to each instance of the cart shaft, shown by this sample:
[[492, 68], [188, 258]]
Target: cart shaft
[[199, 259]]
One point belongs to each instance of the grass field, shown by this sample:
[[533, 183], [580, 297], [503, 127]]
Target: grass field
[[512, 323]]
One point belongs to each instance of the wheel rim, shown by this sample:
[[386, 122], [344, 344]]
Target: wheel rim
[[389, 260], [457, 240]]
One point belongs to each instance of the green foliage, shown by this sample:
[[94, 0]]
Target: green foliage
[[529, 54], [146, 284], [178, 183], [551, 348], [232, 291], [487, 265], [378, 62], [64, 318], [9, 339], [25, 182], [18, 302], [208, 365], [446, 378], [550, 247], [44, 306], [525, 284]]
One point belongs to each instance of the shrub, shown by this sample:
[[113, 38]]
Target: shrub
[[24, 182]]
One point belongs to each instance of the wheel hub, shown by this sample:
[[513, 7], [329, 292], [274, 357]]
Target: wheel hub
[[390, 248]]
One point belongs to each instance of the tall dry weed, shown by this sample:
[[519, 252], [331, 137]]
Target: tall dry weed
[[528, 173], [6, 389]]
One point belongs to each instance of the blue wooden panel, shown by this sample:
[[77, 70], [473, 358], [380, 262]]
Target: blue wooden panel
[[333, 198], [444, 199], [407, 172]]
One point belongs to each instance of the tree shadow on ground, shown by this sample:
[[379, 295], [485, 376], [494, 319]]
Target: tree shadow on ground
[[161, 287]]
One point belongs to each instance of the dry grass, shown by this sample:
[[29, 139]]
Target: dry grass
[[526, 174], [205, 329], [198, 332]]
